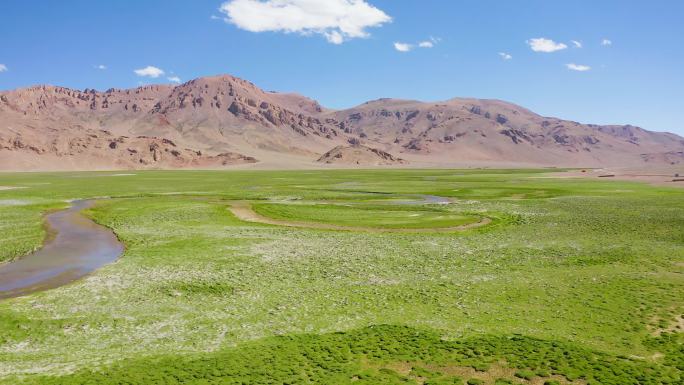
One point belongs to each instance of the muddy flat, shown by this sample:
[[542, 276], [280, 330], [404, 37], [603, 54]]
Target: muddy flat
[[667, 177]]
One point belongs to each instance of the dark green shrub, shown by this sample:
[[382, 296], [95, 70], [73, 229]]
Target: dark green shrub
[[453, 380], [525, 374], [336, 358], [423, 372]]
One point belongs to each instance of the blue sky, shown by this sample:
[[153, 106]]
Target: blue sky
[[343, 52]]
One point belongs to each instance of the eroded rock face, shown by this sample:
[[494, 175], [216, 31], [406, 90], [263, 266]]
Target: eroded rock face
[[105, 149], [358, 154], [517, 136], [670, 158], [501, 119]]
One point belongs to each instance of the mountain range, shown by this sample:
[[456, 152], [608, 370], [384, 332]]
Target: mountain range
[[224, 121]]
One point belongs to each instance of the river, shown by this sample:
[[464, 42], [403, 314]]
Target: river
[[78, 247]]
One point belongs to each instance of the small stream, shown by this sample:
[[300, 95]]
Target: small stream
[[78, 247]]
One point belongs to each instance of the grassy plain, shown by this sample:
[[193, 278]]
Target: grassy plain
[[574, 281], [361, 215]]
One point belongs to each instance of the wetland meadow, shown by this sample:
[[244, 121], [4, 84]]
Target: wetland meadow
[[350, 277]]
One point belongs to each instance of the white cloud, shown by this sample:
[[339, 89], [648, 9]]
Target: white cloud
[[406, 47], [101, 67], [3, 68], [578, 67], [505, 56], [174, 79], [149, 71], [578, 44], [337, 20], [545, 45], [334, 37], [606, 42], [403, 47], [431, 42]]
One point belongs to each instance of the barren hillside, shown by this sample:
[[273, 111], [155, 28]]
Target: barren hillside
[[216, 122]]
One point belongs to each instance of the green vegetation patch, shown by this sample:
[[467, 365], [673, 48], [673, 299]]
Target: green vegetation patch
[[22, 228], [365, 356], [373, 216]]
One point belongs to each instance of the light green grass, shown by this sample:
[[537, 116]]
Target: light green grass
[[382, 217], [577, 264], [21, 226]]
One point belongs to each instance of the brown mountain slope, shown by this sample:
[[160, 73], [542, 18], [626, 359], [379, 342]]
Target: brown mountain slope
[[359, 155], [491, 131], [222, 120]]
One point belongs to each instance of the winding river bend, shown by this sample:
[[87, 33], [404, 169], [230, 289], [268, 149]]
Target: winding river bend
[[78, 247]]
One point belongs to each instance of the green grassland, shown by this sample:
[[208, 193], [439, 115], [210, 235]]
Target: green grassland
[[366, 216], [574, 281]]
